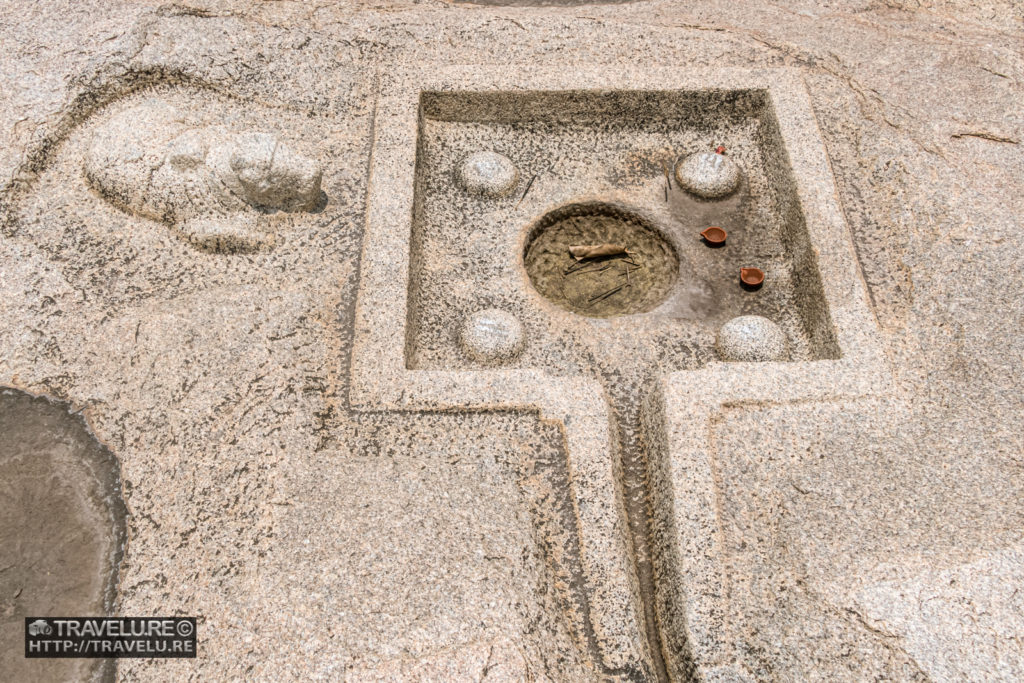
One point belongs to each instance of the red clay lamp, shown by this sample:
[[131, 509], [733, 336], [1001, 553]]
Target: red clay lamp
[[752, 277], [714, 236]]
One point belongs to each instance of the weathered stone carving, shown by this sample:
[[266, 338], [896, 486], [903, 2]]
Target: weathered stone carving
[[752, 338], [492, 335], [710, 175], [210, 183], [488, 173]]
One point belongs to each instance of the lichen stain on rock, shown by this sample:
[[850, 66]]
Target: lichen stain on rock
[[62, 521]]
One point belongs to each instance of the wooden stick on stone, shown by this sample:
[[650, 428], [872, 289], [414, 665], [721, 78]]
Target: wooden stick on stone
[[582, 251]]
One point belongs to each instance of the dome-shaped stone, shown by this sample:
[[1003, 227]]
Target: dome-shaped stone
[[492, 336], [751, 338], [708, 174], [487, 173]]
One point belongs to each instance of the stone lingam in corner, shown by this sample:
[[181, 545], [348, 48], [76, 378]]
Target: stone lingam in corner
[[214, 186]]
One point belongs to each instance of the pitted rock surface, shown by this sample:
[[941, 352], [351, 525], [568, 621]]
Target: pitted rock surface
[[751, 338], [492, 336], [487, 173], [210, 183], [709, 175], [221, 384]]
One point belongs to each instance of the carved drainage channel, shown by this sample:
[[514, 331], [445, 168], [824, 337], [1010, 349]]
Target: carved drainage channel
[[565, 234]]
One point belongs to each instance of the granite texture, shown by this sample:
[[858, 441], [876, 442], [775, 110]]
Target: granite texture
[[708, 175], [211, 184], [632, 599], [487, 173], [751, 338], [63, 525], [333, 497], [492, 336]]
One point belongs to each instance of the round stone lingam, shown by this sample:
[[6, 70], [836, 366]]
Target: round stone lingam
[[708, 174], [751, 338], [487, 173], [492, 336]]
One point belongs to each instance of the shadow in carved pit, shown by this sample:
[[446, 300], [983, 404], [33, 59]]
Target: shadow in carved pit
[[62, 521]]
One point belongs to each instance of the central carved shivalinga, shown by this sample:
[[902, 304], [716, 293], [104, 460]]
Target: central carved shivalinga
[[634, 279]]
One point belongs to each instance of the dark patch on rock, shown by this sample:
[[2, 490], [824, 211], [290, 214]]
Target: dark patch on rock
[[62, 521]]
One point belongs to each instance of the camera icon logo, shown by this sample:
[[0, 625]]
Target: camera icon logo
[[40, 627]]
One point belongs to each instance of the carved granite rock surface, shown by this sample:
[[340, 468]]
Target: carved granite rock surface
[[492, 335], [875, 539], [709, 175], [210, 183], [751, 338], [499, 661], [487, 173]]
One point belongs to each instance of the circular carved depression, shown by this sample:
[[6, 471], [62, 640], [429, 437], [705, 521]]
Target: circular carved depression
[[632, 269]]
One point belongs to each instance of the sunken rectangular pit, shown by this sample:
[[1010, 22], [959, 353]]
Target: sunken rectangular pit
[[600, 166], [483, 182]]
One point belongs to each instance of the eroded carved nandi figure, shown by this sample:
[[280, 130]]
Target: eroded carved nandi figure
[[210, 184]]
